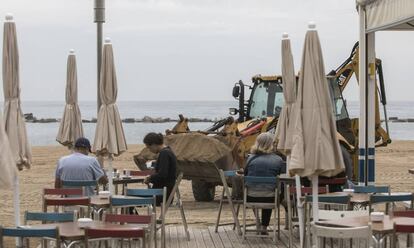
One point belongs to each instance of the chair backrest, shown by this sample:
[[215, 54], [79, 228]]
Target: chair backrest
[[130, 201], [230, 173], [129, 218], [332, 181], [354, 233], [145, 192], [52, 233], [407, 213], [63, 191], [308, 190], [378, 199], [79, 183], [330, 199], [374, 199], [48, 217], [138, 173], [371, 189], [250, 180], [97, 233], [78, 201], [337, 214]]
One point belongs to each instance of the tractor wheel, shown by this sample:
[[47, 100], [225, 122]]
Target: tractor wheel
[[203, 191]]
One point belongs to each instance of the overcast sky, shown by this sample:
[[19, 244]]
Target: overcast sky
[[188, 49]]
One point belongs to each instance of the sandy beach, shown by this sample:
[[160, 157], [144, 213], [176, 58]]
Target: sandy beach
[[393, 163]]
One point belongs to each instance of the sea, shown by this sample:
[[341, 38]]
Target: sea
[[44, 134]]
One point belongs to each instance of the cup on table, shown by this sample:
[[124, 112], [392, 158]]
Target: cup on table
[[84, 222]]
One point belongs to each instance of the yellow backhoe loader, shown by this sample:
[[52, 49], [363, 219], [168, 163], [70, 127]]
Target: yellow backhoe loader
[[226, 144]]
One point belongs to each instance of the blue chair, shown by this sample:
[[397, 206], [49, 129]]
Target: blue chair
[[125, 202], [48, 217], [372, 189], [81, 183], [227, 196], [152, 194], [46, 233], [250, 181], [390, 199]]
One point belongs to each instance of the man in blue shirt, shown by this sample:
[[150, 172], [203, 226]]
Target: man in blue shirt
[[80, 167]]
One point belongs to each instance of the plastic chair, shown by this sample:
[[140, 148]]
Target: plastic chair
[[249, 180], [372, 189], [387, 199], [81, 184], [147, 220], [292, 206], [23, 233], [358, 234], [226, 196], [328, 202], [99, 234]]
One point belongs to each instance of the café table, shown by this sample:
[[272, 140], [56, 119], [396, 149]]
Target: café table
[[379, 229], [124, 181], [71, 233]]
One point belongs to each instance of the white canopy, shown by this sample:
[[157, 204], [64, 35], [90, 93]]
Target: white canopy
[[388, 14]]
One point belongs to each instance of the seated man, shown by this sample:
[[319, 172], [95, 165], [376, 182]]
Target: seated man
[[79, 166], [165, 166]]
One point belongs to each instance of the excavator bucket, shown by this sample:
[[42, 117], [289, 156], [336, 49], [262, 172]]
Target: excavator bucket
[[198, 156]]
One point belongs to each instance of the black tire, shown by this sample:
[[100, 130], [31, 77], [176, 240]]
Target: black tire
[[203, 191]]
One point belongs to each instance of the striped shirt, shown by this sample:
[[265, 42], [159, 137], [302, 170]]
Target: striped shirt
[[79, 167]]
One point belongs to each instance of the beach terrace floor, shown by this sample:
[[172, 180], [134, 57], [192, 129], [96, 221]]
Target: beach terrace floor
[[203, 236]]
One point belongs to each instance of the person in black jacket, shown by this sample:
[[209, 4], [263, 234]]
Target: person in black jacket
[[165, 166]]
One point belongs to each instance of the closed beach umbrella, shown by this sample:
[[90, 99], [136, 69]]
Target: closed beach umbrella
[[283, 136], [71, 124], [8, 169], [15, 126], [109, 135], [315, 147], [283, 131]]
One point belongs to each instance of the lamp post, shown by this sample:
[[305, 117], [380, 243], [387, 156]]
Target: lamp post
[[99, 19]]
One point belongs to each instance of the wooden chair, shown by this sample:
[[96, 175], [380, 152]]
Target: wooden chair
[[99, 234], [333, 184], [25, 233], [151, 196], [248, 181], [292, 215], [234, 204], [48, 217], [390, 199], [66, 202], [358, 234], [148, 222], [407, 214]]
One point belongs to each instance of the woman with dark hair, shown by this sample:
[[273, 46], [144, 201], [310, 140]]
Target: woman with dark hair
[[165, 166]]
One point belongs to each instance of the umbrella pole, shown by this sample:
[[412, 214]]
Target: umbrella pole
[[16, 205], [111, 174], [300, 209], [315, 200]]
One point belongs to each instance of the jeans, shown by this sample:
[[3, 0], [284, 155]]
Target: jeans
[[266, 213]]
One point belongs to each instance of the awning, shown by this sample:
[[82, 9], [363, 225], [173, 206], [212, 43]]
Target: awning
[[388, 14]]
